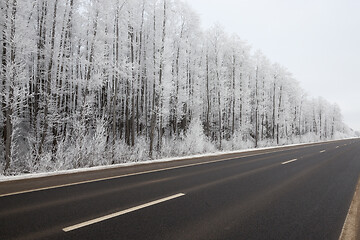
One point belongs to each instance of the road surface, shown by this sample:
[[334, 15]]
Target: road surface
[[299, 192]]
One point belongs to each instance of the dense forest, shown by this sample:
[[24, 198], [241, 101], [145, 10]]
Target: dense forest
[[90, 82]]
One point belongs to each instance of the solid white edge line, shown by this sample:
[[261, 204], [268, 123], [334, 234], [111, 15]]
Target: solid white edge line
[[137, 173], [293, 160], [116, 214], [349, 230]]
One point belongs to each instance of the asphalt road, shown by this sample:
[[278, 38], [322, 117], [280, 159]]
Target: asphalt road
[[301, 192]]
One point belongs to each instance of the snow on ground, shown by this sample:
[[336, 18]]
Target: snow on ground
[[79, 170]]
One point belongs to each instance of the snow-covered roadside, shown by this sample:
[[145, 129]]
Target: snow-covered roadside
[[78, 170]]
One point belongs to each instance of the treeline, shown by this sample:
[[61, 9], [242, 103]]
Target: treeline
[[89, 82]]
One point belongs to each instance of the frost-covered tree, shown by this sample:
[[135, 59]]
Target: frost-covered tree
[[89, 82]]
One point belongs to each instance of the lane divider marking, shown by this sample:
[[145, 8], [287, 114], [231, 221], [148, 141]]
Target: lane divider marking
[[290, 161], [322, 151], [116, 214]]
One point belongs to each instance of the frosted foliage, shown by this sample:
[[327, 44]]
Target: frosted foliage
[[89, 83], [195, 140], [124, 153], [80, 150], [98, 144], [88, 149]]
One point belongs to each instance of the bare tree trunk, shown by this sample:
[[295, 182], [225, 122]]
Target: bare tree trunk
[[47, 80], [161, 78], [274, 110], [220, 120], [132, 59], [154, 95], [8, 132], [176, 101], [91, 59], [145, 102], [219, 103], [233, 95], [320, 123], [4, 64], [241, 102], [256, 110], [278, 117], [208, 109], [139, 102], [115, 80]]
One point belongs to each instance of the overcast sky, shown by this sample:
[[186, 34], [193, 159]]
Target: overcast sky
[[317, 40]]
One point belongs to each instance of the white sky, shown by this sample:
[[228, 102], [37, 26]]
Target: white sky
[[317, 40]]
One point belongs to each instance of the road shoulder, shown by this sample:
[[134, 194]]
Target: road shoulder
[[351, 228]]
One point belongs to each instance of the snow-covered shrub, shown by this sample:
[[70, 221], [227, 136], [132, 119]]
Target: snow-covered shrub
[[340, 135], [122, 152], [173, 146], [237, 142], [266, 143], [140, 151], [98, 145], [195, 141], [20, 148], [83, 148], [309, 137], [63, 158]]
